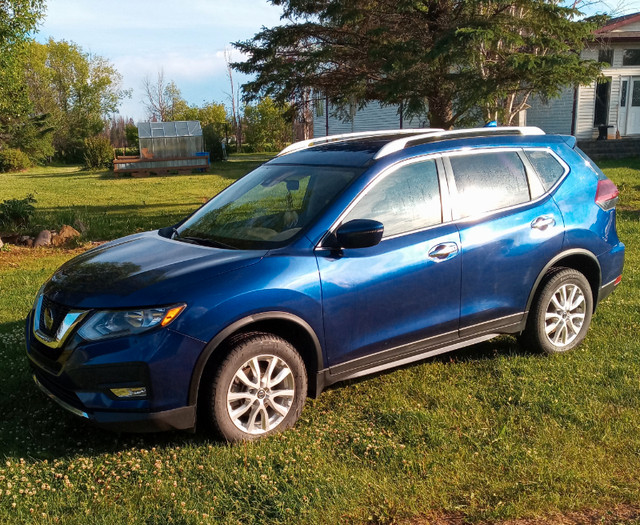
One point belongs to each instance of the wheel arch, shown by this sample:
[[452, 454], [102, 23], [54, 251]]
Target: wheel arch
[[283, 324], [578, 259]]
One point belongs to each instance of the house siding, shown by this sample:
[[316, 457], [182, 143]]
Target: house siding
[[370, 118], [553, 116]]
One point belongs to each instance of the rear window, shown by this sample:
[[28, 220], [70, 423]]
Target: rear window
[[547, 166], [489, 181]]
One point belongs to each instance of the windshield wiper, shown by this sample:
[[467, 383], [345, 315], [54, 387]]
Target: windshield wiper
[[203, 241]]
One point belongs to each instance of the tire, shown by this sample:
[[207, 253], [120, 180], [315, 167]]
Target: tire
[[243, 401], [561, 313]]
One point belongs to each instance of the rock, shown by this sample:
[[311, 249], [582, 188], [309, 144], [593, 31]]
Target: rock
[[42, 239], [1, 243], [24, 240], [80, 226], [65, 234]]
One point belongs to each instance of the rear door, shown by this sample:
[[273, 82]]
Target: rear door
[[509, 230], [378, 301]]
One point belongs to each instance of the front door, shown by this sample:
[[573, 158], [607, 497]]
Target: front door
[[633, 110], [378, 300]]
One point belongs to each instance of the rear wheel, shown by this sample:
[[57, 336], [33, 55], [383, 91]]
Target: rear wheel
[[258, 389], [561, 313]]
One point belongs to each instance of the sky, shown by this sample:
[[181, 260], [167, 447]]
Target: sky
[[185, 39]]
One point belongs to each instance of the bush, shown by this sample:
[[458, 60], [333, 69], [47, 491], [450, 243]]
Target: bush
[[12, 159], [213, 143], [132, 152], [16, 213], [98, 153]]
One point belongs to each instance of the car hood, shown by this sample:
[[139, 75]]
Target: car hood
[[142, 270]]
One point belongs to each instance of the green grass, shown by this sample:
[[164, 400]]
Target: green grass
[[112, 207], [488, 433]]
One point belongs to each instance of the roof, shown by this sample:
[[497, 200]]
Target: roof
[[618, 22], [360, 149], [614, 30], [180, 128]]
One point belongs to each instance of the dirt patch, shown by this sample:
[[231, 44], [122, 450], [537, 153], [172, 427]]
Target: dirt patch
[[618, 515]]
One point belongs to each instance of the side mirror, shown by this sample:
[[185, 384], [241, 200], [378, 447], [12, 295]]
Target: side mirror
[[359, 233]]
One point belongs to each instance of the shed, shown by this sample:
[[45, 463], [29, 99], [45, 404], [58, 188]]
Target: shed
[[166, 147], [162, 140]]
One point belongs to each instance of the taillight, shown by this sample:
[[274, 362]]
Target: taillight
[[606, 194]]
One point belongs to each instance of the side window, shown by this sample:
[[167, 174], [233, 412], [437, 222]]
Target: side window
[[547, 166], [489, 181], [407, 199]]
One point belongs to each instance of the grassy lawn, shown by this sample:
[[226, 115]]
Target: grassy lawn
[[487, 433]]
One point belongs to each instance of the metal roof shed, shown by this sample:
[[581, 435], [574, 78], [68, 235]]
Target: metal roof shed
[[163, 140]]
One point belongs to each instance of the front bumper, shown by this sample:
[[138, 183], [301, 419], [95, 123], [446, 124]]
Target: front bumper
[[183, 418], [81, 376]]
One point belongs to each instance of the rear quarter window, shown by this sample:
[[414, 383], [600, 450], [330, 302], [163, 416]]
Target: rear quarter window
[[547, 166]]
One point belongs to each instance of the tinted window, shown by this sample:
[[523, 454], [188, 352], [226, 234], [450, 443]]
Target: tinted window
[[547, 166], [489, 181], [407, 199], [267, 207]]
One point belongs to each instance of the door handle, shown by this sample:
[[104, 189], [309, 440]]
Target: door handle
[[443, 251], [542, 223]]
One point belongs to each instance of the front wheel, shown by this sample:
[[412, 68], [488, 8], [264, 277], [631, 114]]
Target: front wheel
[[259, 389], [561, 314]]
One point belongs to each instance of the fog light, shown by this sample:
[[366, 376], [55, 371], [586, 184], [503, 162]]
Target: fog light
[[130, 392]]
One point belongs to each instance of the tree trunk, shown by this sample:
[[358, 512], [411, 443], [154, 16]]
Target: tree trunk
[[440, 111]]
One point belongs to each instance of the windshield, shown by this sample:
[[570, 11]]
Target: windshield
[[267, 207]]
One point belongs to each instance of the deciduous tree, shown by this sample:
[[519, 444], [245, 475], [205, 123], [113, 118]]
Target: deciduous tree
[[266, 127], [18, 18]]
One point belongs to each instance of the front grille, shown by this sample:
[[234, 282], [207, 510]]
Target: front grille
[[51, 316], [46, 355]]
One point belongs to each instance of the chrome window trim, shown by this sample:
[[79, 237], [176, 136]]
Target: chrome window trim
[[562, 163], [70, 321], [383, 174], [489, 213], [448, 189]]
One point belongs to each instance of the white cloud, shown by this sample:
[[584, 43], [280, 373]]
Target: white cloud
[[187, 40]]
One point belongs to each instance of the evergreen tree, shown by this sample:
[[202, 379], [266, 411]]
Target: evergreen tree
[[442, 58]]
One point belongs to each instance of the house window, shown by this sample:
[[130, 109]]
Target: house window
[[605, 55], [635, 95], [623, 97], [603, 92], [319, 104], [631, 57]]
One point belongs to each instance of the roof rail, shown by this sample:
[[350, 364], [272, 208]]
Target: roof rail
[[436, 135], [304, 144]]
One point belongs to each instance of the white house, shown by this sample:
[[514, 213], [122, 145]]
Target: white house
[[577, 111], [614, 103]]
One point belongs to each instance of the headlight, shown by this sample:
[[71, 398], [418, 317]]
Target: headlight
[[114, 323]]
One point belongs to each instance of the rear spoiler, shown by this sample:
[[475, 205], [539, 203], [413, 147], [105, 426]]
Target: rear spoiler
[[570, 140]]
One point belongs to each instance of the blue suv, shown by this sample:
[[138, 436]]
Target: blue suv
[[340, 257]]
